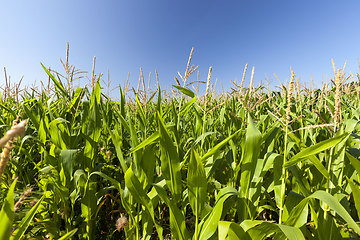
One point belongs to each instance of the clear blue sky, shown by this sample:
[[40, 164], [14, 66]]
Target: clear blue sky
[[158, 34]]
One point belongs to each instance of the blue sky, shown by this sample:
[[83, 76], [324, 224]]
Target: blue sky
[[159, 34]]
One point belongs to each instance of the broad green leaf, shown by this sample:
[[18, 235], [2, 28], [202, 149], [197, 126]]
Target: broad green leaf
[[302, 183], [223, 229], [43, 129], [30, 114], [55, 128], [338, 162], [68, 160], [155, 136], [355, 163], [25, 222], [123, 121], [197, 184], [7, 213], [148, 164], [88, 208], [278, 162], [140, 108], [136, 155], [94, 126], [315, 149], [122, 102], [214, 149], [115, 137], [177, 219], [203, 136], [327, 228], [170, 162], [292, 233], [187, 106], [233, 230], [140, 195], [56, 82], [209, 224], [185, 91], [337, 207], [266, 229], [158, 102], [316, 162], [69, 234], [295, 213], [250, 156], [117, 185], [14, 115], [356, 194]]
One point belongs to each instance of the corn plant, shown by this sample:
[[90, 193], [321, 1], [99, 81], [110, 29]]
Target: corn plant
[[248, 164]]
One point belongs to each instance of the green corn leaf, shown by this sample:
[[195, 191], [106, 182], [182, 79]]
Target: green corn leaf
[[292, 233], [69, 234], [337, 207], [31, 115], [214, 149], [9, 110], [356, 194], [68, 160], [187, 106], [197, 184], [25, 222], [117, 185], [278, 162], [261, 230], [177, 219], [203, 136], [43, 129], [56, 82], [137, 191], [55, 128], [250, 156], [170, 163], [316, 162], [140, 195], [140, 108], [304, 185], [298, 215], [355, 163], [158, 102], [123, 121], [7, 213], [88, 208], [122, 102], [209, 224], [115, 137], [148, 164], [185, 91], [134, 142], [233, 230], [223, 229], [94, 126], [155, 136], [315, 149]]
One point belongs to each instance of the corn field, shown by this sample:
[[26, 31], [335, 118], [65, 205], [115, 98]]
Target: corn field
[[247, 164]]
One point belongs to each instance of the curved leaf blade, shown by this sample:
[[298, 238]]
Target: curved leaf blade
[[7, 213], [315, 149]]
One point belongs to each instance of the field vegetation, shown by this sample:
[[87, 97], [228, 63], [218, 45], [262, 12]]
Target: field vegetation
[[252, 163]]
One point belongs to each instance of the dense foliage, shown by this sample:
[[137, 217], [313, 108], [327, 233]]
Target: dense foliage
[[247, 165]]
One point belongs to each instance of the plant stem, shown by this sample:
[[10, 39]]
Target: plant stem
[[282, 196]]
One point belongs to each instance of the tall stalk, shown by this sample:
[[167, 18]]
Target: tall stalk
[[188, 72], [337, 118], [205, 106], [283, 175]]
